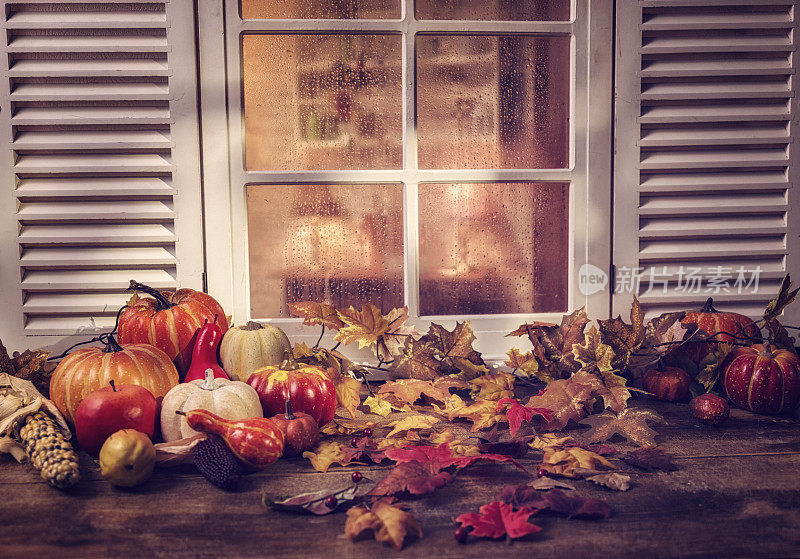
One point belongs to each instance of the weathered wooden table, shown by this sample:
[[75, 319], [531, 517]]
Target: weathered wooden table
[[736, 494]]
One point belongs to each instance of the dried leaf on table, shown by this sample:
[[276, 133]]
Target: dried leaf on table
[[366, 450], [493, 387], [624, 338], [455, 349], [314, 502], [315, 313], [177, 452], [410, 390], [342, 426], [547, 483], [566, 398], [393, 341], [482, 413], [556, 501], [412, 422], [614, 480], [325, 454], [364, 326], [386, 523], [784, 298], [415, 478], [552, 345], [347, 395], [442, 457], [417, 361], [606, 385], [526, 364], [380, 406], [570, 461], [650, 458], [497, 520], [631, 424]]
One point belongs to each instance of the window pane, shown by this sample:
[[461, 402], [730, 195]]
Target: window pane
[[493, 101], [315, 102], [493, 248], [337, 243], [502, 10], [322, 9]]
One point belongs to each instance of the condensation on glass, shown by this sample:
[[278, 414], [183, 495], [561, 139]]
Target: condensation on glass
[[488, 102], [337, 243], [320, 9], [322, 101], [493, 248], [498, 10]]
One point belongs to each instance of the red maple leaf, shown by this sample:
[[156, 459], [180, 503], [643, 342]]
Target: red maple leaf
[[442, 457], [517, 413], [365, 449], [416, 478], [555, 500], [499, 519]]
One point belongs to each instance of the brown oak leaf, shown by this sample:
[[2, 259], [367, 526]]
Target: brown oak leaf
[[631, 424], [552, 346], [417, 360], [314, 313], [778, 336], [386, 523], [393, 341]]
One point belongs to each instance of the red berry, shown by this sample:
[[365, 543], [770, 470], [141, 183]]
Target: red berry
[[541, 472], [354, 442], [331, 502], [356, 477], [460, 534], [367, 432]]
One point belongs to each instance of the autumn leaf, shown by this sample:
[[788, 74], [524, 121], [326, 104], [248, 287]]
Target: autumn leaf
[[325, 454], [314, 313], [314, 502], [710, 368], [567, 462], [346, 426], [417, 361], [624, 338], [364, 326], [556, 501], [415, 478], [525, 329], [525, 364], [778, 336], [410, 390], [548, 483], [784, 298], [442, 457], [610, 387], [593, 355], [650, 458], [497, 520], [412, 422], [386, 523], [482, 413], [493, 387], [567, 400], [664, 335], [552, 441], [347, 395], [365, 450], [631, 424], [516, 413], [379, 405], [614, 480], [393, 341]]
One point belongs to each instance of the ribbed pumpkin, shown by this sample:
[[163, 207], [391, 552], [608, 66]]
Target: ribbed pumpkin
[[85, 370], [723, 326], [169, 320], [253, 346], [762, 379]]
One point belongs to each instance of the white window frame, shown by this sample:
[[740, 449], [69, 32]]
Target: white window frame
[[219, 31]]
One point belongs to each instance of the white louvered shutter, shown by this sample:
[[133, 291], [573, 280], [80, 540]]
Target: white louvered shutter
[[706, 162], [99, 122]]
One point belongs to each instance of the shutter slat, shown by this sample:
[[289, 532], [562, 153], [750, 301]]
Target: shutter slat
[[83, 210], [717, 226], [721, 20], [128, 233], [713, 159], [67, 19], [54, 325], [97, 257], [700, 249], [89, 44], [665, 91], [711, 204], [720, 181], [90, 92], [670, 114], [76, 116], [110, 67], [70, 303], [715, 136], [725, 43], [100, 163], [92, 187], [95, 280], [689, 69], [95, 139]]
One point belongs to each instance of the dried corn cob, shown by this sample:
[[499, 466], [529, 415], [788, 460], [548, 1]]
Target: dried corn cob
[[49, 451]]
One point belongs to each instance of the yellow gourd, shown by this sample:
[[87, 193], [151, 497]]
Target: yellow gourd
[[253, 346]]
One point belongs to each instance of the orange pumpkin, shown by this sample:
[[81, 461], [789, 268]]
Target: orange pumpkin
[[85, 370]]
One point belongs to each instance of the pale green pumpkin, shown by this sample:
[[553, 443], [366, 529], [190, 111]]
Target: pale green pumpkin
[[247, 348]]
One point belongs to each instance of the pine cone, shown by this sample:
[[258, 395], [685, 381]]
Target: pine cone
[[217, 463], [49, 451]]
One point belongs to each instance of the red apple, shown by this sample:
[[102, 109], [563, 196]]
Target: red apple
[[113, 408]]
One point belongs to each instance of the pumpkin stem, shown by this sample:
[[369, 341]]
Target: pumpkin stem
[[208, 383], [289, 415], [251, 325], [179, 412], [162, 302], [111, 382], [289, 362], [111, 344], [709, 306]]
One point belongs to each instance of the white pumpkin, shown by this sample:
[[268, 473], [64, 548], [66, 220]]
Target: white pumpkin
[[228, 399], [247, 348]]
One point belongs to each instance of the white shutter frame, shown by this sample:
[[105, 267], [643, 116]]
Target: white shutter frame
[[99, 125], [706, 165]]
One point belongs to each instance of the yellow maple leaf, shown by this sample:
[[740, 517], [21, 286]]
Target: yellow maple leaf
[[412, 422], [565, 462], [378, 406], [493, 387], [482, 414], [364, 326], [551, 440], [452, 404], [324, 455], [347, 395], [386, 523], [346, 426], [524, 363], [410, 438]]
